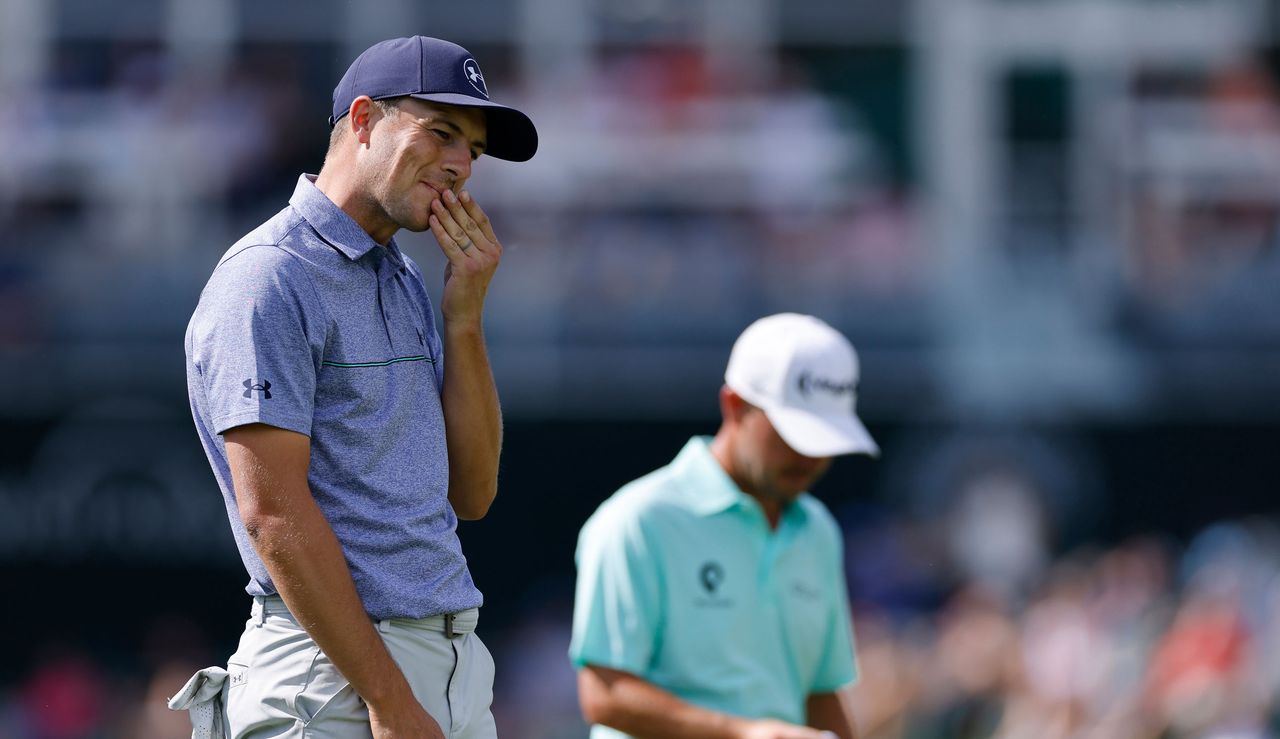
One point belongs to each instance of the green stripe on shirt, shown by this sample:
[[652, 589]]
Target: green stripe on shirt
[[418, 358]]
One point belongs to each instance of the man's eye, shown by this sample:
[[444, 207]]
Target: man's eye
[[444, 135]]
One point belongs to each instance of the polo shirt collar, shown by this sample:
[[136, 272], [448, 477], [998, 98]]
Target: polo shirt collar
[[712, 488], [333, 224]]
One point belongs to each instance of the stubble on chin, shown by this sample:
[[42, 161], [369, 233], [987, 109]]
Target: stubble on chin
[[408, 214]]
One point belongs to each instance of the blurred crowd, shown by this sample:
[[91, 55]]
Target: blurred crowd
[[1147, 638], [1141, 640]]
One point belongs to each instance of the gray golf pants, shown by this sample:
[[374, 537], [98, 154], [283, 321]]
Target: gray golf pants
[[279, 683]]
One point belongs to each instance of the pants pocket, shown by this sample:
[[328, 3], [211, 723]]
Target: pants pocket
[[471, 688], [324, 691], [282, 685]]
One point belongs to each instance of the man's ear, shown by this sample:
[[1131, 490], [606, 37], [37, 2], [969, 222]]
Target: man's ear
[[360, 117], [732, 406]]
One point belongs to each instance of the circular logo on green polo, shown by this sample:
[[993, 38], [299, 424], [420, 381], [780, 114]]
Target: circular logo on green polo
[[712, 576]]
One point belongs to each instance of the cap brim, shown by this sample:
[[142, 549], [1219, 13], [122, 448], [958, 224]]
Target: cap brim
[[822, 436], [511, 134]]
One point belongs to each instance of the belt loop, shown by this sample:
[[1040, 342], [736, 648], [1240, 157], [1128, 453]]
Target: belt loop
[[448, 626], [261, 603]]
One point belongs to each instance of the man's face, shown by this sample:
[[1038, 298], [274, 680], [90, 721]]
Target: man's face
[[773, 470], [422, 150]]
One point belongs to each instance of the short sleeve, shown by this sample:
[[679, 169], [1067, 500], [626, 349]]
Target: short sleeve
[[617, 601], [256, 339], [839, 665]]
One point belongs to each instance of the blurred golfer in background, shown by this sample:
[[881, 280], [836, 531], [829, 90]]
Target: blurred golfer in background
[[711, 597]]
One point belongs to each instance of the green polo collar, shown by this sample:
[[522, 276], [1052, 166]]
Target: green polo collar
[[710, 488]]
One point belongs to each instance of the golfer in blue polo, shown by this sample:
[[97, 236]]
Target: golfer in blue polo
[[711, 598], [347, 430]]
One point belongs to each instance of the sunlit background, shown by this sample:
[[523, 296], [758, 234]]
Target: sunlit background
[[1049, 226]]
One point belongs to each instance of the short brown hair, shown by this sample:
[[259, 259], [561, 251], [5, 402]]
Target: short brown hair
[[386, 107]]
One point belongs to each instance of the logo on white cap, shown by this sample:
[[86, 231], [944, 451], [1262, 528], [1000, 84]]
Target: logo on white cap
[[808, 383], [472, 71], [804, 375]]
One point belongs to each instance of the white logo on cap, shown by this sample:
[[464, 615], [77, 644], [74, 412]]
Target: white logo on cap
[[472, 71]]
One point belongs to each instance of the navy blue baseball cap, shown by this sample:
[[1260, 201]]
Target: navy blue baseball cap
[[439, 71]]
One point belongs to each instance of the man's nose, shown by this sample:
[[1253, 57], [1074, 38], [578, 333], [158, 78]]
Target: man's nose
[[459, 166]]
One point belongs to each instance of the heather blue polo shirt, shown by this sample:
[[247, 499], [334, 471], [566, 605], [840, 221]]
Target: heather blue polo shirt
[[309, 325], [681, 582]]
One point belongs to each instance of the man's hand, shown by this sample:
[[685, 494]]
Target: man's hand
[[466, 237], [411, 722], [472, 417], [633, 705], [770, 729]]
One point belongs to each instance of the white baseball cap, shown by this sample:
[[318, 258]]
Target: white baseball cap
[[804, 375]]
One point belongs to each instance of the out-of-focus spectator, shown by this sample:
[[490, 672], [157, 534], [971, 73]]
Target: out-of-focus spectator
[[971, 666], [536, 695], [1200, 682], [66, 697], [1206, 204]]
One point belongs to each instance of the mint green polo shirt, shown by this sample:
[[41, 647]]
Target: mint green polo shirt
[[681, 582]]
